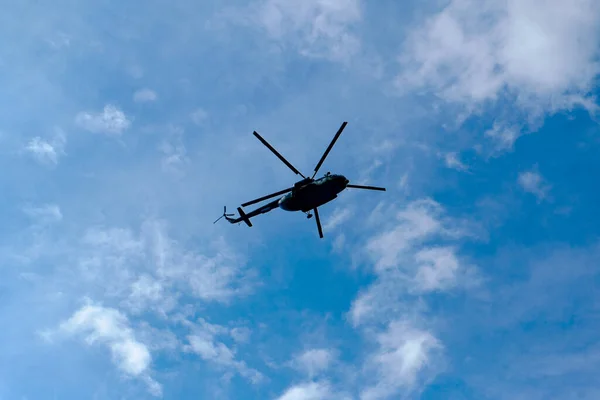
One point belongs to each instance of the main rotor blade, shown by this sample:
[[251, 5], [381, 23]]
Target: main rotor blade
[[318, 222], [266, 197], [286, 162], [366, 187], [335, 138]]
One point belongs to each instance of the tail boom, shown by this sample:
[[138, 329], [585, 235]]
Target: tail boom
[[246, 217]]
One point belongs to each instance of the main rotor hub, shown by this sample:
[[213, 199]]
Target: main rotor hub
[[303, 182]]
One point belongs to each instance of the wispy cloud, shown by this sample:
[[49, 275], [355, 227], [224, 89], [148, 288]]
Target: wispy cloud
[[148, 292], [48, 213], [145, 96], [174, 151], [311, 391], [412, 258], [503, 136], [532, 182], [111, 328], [438, 269], [420, 220], [472, 51], [453, 161], [314, 361], [47, 151], [145, 265], [143, 273], [111, 121], [406, 354], [241, 334], [203, 341], [340, 215], [182, 303], [315, 28], [199, 116]]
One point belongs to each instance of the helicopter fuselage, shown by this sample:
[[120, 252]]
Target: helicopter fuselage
[[308, 196]]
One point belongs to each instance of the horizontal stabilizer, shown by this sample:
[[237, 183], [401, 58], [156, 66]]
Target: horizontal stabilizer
[[244, 217]]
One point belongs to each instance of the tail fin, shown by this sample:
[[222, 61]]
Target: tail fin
[[244, 217], [224, 215]]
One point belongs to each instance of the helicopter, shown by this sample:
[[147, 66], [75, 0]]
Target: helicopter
[[305, 195]]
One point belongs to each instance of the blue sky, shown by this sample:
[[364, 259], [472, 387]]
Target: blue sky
[[125, 128]]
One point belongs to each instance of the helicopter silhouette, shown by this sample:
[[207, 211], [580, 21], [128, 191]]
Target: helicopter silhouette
[[306, 195]]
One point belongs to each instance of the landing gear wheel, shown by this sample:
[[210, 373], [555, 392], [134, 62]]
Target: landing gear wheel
[[309, 215]]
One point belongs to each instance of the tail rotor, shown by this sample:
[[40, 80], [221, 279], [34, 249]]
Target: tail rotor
[[224, 214]]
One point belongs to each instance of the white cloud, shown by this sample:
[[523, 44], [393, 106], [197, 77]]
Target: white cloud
[[110, 327], [362, 305], [543, 52], [418, 221], [406, 355], [403, 183], [338, 243], [316, 28], [217, 278], [48, 213], [241, 334], [309, 391], [144, 96], [212, 351], [47, 152], [144, 272], [393, 294], [314, 361], [199, 116], [110, 121], [414, 255], [409, 260], [149, 270], [147, 288], [42, 150], [112, 242], [504, 136], [204, 342], [148, 292], [174, 151], [452, 161], [532, 182], [340, 215], [157, 339], [438, 268]]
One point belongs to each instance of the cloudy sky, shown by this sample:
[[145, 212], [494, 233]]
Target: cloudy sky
[[125, 128]]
